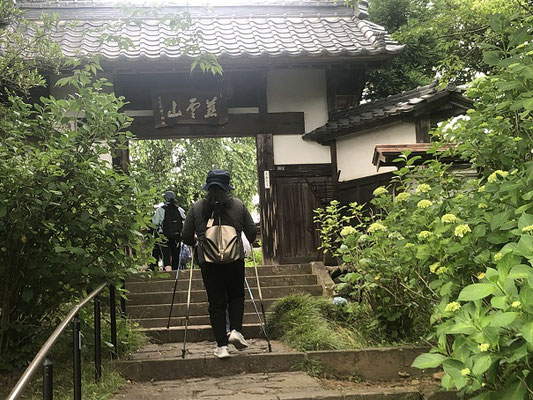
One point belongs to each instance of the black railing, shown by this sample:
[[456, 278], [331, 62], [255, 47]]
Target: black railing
[[43, 356]]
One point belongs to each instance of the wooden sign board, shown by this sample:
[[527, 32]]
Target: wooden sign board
[[186, 106]]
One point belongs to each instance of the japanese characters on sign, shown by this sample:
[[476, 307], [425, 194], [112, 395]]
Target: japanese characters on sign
[[189, 106]]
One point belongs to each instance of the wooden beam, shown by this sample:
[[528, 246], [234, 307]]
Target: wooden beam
[[239, 125], [423, 125], [303, 170], [267, 195]]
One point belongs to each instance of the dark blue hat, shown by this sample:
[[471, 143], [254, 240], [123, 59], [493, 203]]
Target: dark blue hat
[[169, 195], [219, 177]]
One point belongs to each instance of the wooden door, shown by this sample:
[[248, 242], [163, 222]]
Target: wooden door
[[297, 238]]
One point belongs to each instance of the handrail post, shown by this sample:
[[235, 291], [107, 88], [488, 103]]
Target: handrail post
[[48, 379], [113, 311], [97, 341], [76, 356]]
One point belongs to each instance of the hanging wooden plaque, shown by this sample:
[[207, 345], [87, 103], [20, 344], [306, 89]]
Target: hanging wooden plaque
[[186, 106]]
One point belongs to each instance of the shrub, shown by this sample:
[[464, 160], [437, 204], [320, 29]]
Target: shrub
[[452, 256], [307, 323]]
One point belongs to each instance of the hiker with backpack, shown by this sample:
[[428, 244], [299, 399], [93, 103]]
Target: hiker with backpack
[[215, 224], [168, 220]]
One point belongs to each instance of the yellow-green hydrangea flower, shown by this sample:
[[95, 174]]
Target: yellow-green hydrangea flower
[[424, 234], [423, 188], [424, 203], [498, 256], [433, 267], [449, 219], [481, 188], [409, 245], [395, 236], [461, 230], [453, 306], [403, 196], [465, 371], [376, 226], [380, 191], [441, 270], [363, 238], [494, 176], [516, 304], [527, 229], [347, 230], [483, 346]]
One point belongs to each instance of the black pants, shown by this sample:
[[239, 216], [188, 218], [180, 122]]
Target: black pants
[[225, 290], [171, 252]]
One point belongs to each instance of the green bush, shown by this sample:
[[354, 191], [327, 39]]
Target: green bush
[[68, 221], [307, 323], [452, 256]]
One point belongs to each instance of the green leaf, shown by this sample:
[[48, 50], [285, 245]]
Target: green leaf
[[428, 360], [527, 332], [499, 320], [477, 291], [520, 271], [464, 328], [525, 246], [515, 391], [491, 57], [499, 302], [482, 364], [525, 220]]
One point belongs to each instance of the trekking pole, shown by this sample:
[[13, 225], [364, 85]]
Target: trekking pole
[[174, 292], [188, 309], [261, 298], [261, 321]]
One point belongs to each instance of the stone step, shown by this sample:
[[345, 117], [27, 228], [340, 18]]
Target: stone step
[[272, 386], [196, 333], [198, 296], [249, 318], [264, 270], [164, 362], [198, 284], [179, 309]]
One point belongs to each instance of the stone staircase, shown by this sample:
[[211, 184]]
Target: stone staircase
[[149, 301], [159, 371]]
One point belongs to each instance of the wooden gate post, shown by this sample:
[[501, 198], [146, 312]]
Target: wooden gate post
[[265, 173]]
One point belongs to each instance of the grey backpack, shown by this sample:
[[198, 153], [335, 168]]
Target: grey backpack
[[221, 244]]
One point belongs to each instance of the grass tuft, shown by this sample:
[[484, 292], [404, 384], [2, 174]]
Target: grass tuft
[[307, 323]]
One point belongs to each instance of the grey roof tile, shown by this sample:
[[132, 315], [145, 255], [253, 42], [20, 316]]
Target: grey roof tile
[[353, 119], [230, 29]]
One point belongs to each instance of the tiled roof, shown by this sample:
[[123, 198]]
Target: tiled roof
[[378, 112], [232, 29]]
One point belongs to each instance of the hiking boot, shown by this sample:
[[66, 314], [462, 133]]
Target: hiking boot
[[222, 352], [236, 339]]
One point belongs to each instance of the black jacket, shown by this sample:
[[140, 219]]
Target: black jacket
[[237, 215]]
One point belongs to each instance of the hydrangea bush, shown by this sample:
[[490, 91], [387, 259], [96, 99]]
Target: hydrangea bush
[[450, 257]]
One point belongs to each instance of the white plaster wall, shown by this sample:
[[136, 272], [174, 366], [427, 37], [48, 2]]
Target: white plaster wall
[[354, 153], [299, 90]]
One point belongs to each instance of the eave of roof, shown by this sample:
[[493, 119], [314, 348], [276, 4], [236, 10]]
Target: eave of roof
[[385, 154], [413, 103], [272, 29]]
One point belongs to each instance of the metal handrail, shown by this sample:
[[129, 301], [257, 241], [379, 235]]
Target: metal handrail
[[41, 355]]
